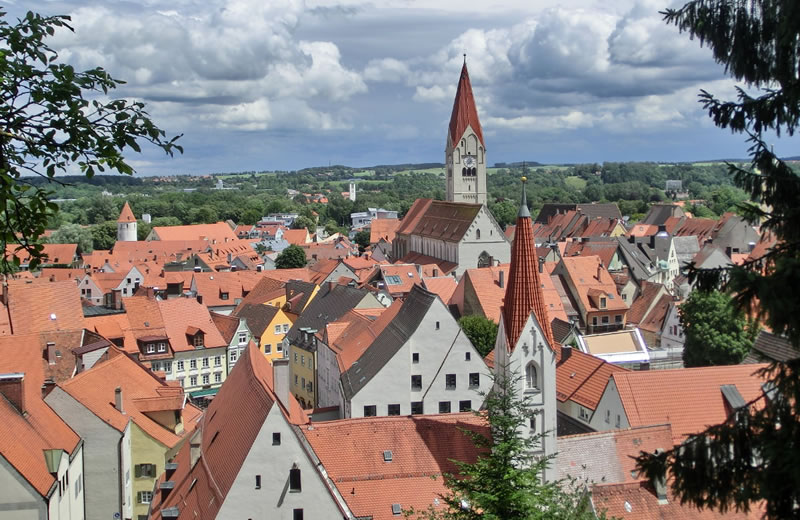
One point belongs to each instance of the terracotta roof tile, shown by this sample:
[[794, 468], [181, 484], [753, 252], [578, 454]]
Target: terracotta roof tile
[[524, 290], [126, 215], [689, 399], [44, 307], [226, 325], [421, 446], [23, 439], [650, 293], [218, 233], [465, 113], [51, 253], [443, 266], [584, 272], [95, 387], [443, 286], [60, 274], [179, 314], [398, 279], [437, 219], [582, 378], [654, 321], [296, 236], [383, 228]]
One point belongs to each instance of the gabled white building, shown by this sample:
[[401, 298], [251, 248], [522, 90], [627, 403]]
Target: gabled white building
[[422, 362]]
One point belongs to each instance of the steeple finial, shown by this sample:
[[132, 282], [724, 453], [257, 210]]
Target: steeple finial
[[465, 58], [523, 207]]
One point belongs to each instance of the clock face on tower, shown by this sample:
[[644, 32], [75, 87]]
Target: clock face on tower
[[469, 161]]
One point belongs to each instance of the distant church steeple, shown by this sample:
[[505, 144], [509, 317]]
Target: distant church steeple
[[126, 225], [465, 153], [524, 291]]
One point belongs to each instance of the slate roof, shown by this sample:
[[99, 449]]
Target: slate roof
[[658, 214], [330, 303], [594, 210], [768, 348], [389, 342], [258, 316], [24, 438], [685, 248], [422, 447], [561, 329], [689, 399], [464, 113], [447, 221]]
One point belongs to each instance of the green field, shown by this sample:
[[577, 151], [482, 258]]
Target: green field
[[575, 182]]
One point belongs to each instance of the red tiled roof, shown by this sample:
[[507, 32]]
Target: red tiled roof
[[179, 314], [218, 233], [51, 253], [422, 447], [408, 275], [354, 340], [227, 438], [583, 271], [465, 113], [95, 388], [444, 266], [44, 307], [447, 221], [60, 274], [582, 378], [443, 286], [650, 292], [638, 501], [383, 228], [226, 325], [24, 438], [126, 215], [296, 236], [604, 250], [654, 321], [689, 399], [524, 291]]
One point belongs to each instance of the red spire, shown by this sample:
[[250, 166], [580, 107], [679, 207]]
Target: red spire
[[126, 215], [464, 111], [524, 291]]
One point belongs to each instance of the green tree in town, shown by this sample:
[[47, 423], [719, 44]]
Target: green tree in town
[[716, 332], [505, 482], [104, 235], [753, 458], [362, 239], [481, 331], [73, 234], [52, 120], [291, 257], [304, 222]]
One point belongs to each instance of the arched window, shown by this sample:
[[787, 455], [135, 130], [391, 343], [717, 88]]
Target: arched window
[[463, 172], [484, 260], [478, 234], [531, 381]]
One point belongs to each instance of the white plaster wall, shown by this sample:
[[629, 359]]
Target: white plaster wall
[[18, 499], [100, 461], [328, 389], [457, 186], [609, 402], [274, 500], [127, 472], [492, 240], [441, 351], [672, 342]]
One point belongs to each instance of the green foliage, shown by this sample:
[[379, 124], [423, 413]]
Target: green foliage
[[304, 222], [362, 239], [753, 457], [505, 483], [716, 332], [142, 230], [104, 235], [481, 331], [504, 212], [73, 234], [52, 119], [291, 257]]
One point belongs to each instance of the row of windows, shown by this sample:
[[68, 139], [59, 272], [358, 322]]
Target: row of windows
[[309, 386], [303, 360], [282, 328], [605, 319], [206, 379], [268, 348], [205, 362], [371, 410], [295, 484], [449, 381], [415, 355]]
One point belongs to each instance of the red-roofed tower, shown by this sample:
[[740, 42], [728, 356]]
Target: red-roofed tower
[[126, 225], [524, 290], [465, 153]]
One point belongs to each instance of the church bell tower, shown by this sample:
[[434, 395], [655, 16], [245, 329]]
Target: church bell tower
[[465, 153]]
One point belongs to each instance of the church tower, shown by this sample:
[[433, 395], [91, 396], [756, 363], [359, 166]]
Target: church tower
[[465, 153], [126, 225]]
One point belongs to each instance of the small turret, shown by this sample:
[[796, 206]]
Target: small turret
[[126, 225]]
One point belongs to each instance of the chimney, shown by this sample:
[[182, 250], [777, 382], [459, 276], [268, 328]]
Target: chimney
[[566, 352], [280, 380], [116, 299], [599, 270], [230, 258], [502, 280], [47, 387], [50, 353], [118, 400], [541, 264], [5, 293], [200, 299], [660, 483], [12, 387]]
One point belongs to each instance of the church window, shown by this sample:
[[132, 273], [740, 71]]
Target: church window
[[478, 234], [484, 260], [531, 377], [463, 172]]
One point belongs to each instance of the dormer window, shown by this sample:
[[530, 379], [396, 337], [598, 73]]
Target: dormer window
[[223, 296], [162, 347], [197, 340], [602, 302], [150, 348]]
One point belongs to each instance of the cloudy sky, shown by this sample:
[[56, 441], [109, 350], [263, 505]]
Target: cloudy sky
[[286, 84]]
